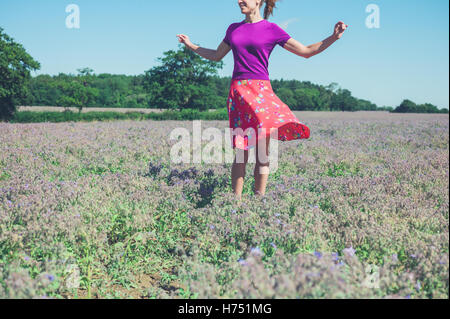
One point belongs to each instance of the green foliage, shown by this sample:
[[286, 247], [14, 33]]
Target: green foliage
[[68, 116], [408, 106], [15, 67], [325, 228], [306, 98], [113, 90], [76, 94], [286, 95], [182, 81], [343, 101], [303, 96]]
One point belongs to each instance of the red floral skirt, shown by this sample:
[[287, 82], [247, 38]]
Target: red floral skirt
[[254, 111]]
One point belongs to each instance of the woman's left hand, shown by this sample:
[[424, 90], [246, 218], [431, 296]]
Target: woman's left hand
[[339, 29]]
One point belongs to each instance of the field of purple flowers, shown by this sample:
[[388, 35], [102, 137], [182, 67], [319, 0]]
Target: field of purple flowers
[[97, 210]]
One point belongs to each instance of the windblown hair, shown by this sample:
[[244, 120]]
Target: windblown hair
[[268, 10]]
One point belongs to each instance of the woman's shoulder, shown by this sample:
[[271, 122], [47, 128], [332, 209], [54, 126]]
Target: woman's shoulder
[[236, 23], [233, 26], [273, 24], [276, 28]]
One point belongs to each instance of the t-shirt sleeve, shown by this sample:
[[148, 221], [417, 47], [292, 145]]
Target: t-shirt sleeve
[[281, 36], [227, 36]]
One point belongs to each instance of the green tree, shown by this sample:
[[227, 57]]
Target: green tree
[[308, 99], [333, 87], [304, 99], [366, 105], [75, 94], [15, 67], [326, 98], [287, 96], [41, 91], [344, 101], [85, 72], [407, 106], [183, 81], [428, 108]]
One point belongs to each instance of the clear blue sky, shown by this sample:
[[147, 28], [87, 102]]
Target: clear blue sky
[[407, 57]]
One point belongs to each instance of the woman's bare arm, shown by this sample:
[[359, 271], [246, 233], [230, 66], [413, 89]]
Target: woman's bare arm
[[222, 51], [213, 55], [299, 49]]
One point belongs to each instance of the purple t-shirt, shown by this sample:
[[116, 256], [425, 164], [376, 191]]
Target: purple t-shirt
[[252, 45]]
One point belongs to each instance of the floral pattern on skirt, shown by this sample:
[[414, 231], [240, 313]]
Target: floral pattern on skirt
[[255, 109]]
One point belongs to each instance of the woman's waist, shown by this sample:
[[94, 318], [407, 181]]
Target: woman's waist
[[250, 75], [249, 80]]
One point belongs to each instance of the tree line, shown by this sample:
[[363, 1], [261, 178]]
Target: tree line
[[183, 80]]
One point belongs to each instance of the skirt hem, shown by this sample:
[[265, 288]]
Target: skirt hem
[[253, 104]]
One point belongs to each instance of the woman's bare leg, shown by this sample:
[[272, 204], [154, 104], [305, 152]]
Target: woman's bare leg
[[238, 172], [261, 172]]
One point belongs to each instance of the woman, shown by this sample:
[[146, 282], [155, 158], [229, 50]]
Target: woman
[[254, 109]]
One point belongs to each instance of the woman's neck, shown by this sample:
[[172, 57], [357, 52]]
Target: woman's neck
[[253, 18]]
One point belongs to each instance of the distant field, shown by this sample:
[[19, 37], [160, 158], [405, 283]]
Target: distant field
[[301, 114], [89, 109], [98, 210]]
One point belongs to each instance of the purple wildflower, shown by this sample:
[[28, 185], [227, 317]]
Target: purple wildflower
[[349, 251], [318, 254], [335, 256], [50, 277], [418, 286], [273, 245], [256, 251], [242, 262]]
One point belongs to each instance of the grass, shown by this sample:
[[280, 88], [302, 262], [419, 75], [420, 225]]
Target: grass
[[174, 115], [106, 198]]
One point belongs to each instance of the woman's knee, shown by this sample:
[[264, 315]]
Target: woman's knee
[[241, 157], [262, 151], [263, 169]]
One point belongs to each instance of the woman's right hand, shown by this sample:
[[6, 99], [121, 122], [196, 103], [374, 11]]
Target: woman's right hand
[[339, 29], [182, 38]]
